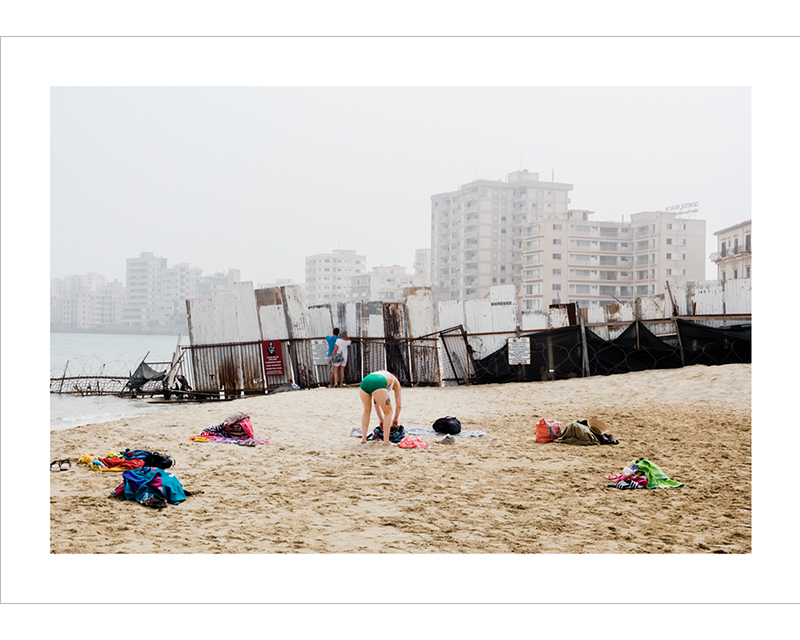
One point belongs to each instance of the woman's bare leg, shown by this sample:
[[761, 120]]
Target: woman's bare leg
[[366, 401], [384, 401]]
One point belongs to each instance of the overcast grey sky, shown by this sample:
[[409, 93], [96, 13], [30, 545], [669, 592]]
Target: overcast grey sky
[[259, 178]]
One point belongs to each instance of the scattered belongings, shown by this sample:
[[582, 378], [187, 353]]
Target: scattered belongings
[[290, 386], [581, 432], [151, 487], [412, 443], [447, 425], [642, 474], [396, 434], [235, 429], [58, 465], [547, 430], [448, 439], [126, 460]]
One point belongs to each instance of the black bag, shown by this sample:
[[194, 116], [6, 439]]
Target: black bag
[[448, 425], [159, 460]]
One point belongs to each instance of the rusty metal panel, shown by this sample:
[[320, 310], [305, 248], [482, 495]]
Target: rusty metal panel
[[533, 320], [426, 356], [200, 313], [652, 307], [620, 312], [300, 346], [478, 319], [396, 346], [738, 294], [247, 325], [708, 297], [374, 352], [273, 327], [558, 316], [268, 297], [320, 324]]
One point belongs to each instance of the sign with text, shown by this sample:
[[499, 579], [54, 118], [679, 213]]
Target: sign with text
[[273, 357], [319, 351], [519, 351], [686, 207]]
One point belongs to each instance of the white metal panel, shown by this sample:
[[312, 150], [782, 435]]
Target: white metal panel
[[375, 326], [534, 320], [273, 323], [478, 319], [503, 299], [451, 314], [419, 311], [248, 329], [708, 297], [738, 294], [201, 321], [558, 317], [597, 315], [652, 307], [320, 321], [225, 318], [295, 311], [682, 293]]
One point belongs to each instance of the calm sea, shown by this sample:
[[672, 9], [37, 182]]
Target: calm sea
[[87, 354]]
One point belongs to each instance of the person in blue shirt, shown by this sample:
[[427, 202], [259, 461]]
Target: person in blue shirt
[[331, 340]]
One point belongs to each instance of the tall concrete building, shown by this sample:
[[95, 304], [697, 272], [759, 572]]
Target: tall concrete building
[[477, 232], [422, 265], [570, 258], [328, 275], [733, 256], [143, 281], [383, 283]]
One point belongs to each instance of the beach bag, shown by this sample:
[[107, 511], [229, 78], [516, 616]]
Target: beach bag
[[547, 430], [158, 460], [447, 425], [338, 357]]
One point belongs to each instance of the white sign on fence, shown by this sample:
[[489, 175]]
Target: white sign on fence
[[319, 351], [519, 351]]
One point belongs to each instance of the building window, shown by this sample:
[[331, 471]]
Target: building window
[[747, 271], [723, 276], [669, 240], [556, 227], [556, 272], [556, 287], [669, 226], [556, 241], [556, 256], [735, 274], [669, 256]]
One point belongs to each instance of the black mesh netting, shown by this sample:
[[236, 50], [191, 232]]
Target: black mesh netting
[[558, 354]]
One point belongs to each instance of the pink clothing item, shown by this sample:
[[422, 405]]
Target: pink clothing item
[[412, 443]]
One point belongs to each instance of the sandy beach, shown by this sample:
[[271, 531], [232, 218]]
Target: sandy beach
[[315, 489]]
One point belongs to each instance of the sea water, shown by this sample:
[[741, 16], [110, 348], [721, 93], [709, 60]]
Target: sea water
[[93, 354]]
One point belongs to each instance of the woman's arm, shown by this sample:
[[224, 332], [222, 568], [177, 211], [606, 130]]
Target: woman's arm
[[397, 401]]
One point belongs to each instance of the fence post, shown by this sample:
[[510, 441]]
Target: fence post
[[586, 372]]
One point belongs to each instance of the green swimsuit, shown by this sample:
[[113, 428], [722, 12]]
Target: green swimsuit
[[374, 381]]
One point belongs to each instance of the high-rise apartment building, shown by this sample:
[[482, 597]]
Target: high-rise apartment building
[[143, 280], [383, 283], [733, 256], [328, 275], [422, 265], [570, 258], [477, 232]]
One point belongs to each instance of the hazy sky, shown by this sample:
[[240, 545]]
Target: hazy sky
[[259, 178]]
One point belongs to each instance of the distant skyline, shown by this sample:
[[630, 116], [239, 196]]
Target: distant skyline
[[258, 178]]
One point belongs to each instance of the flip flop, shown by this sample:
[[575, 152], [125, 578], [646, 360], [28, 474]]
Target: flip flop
[[246, 443], [61, 465], [56, 464]]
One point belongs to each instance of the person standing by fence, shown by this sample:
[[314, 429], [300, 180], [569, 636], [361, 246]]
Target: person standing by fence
[[339, 358], [376, 387], [331, 340]]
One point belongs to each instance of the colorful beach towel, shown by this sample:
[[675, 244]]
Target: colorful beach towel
[[149, 485], [656, 478], [412, 443], [110, 463], [203, 438]]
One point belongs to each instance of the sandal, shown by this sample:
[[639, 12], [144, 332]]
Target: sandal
[[55, 465], [61, 465]]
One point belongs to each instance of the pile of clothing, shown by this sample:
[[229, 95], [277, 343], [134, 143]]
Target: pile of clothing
[[642, 474], [235, 429]]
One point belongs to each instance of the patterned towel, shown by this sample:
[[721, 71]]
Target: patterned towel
[[227, 440], [417, 431]]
